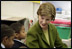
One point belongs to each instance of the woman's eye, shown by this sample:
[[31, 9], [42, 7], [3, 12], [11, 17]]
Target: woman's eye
[[42, 18], [47, 19]]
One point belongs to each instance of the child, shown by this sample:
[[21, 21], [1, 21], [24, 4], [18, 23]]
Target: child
[[7, 36], [20, 34]]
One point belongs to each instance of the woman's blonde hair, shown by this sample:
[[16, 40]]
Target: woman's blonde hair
[[47, 9]]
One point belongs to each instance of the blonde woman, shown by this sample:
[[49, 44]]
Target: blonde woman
[[44, 34]]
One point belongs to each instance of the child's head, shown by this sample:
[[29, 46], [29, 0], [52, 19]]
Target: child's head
[[46, 13], [7, 36], [19, 30]]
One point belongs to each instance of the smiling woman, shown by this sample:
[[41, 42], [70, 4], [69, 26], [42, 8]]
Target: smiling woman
[[43, 21], [44, 34]]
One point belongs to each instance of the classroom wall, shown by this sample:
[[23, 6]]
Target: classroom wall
[[35, 8], [65, 5], [18, 9], [66, 8]]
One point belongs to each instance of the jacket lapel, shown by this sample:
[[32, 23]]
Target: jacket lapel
[[50, 35], [42, 34]]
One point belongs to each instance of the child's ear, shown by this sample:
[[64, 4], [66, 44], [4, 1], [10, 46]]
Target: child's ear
[[5, 39], [16, 35]]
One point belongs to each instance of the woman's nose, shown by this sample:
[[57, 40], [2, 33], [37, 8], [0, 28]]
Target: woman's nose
[[44, 21]]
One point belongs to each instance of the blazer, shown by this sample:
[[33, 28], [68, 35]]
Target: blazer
[[18, 44], [36, 39]]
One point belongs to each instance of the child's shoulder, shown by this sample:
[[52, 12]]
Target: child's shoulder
[[18, 44]]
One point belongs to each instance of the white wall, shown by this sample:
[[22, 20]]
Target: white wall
[[17, 8], [65, 5], [35, 8]]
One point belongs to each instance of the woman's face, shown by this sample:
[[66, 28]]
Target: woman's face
[[43, 21]]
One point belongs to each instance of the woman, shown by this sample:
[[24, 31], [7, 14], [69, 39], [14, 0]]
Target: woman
[[44, 34]]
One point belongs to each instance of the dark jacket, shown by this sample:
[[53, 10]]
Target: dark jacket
[[18, 44]]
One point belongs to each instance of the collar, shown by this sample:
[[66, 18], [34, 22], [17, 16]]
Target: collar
[[17, 40], [2, 45]]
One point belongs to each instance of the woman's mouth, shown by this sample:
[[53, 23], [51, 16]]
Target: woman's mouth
[[43, 24]]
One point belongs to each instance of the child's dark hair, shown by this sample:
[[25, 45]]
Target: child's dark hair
[[6, 31], [16, 26]]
